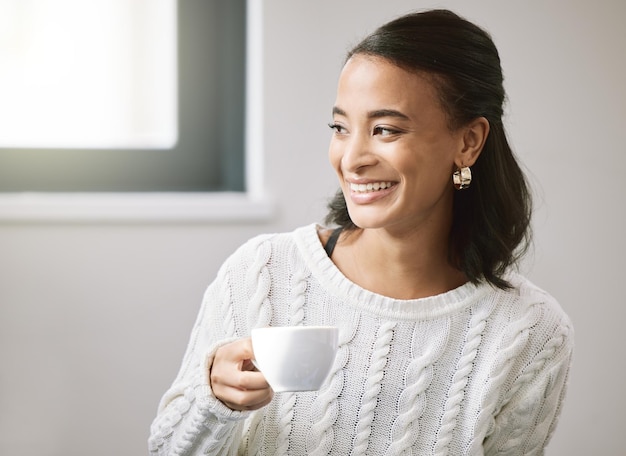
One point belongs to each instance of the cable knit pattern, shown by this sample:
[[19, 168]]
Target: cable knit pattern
[[226, 308], [258, 282], [512, 342], [547, 396], [256, 433], [372, 388], [546, 354], [419, 374], [296, 312], [465, 365], [326, 407], [473, 371], [284, 429], [545, 422], [299, 285]]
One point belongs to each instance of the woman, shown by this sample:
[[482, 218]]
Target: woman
[[443, 348]]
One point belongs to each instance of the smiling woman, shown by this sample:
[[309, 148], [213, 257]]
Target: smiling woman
[[111, 95], [442, 349]]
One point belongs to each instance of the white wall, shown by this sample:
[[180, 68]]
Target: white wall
[[94, 317]]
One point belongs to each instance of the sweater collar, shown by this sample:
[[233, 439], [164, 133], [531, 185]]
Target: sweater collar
[[331, 278]]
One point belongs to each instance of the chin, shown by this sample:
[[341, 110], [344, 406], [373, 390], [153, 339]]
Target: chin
[[366, 221]]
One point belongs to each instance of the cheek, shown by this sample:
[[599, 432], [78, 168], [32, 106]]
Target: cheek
[[426, 173]]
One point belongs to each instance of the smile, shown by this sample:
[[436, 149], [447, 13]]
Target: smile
[[370, 187]]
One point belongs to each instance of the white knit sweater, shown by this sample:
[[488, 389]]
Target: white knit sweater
[[473, 371]]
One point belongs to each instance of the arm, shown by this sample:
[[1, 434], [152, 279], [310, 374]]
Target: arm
[[528, 419], [191, 417]]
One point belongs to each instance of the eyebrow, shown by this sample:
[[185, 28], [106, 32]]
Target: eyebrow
[[378, 113]]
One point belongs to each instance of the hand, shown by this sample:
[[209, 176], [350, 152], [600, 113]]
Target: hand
[[234, 379]]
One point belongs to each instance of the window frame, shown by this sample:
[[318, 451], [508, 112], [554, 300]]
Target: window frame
[[249, 205]]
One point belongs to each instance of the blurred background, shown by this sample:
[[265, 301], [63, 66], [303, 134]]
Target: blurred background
[[95, 312]]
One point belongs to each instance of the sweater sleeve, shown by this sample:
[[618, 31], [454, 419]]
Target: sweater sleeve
[[190, 419], [528, 419]]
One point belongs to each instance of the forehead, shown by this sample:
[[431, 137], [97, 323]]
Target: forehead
[[374, 83]]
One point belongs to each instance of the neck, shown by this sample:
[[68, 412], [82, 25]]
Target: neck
[[401, 267]]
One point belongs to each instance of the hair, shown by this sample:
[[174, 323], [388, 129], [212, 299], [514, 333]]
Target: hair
[[491, 219]]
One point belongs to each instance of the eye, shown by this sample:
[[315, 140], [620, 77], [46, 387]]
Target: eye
[[338, 128], [384, 131]]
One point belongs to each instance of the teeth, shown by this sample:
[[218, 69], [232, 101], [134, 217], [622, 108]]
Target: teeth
[[371, 187]]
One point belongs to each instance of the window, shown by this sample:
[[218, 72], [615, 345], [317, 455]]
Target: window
[[91, 75], [128, 122]]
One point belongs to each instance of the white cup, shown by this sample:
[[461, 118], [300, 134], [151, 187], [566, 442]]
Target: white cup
[[295, 358]]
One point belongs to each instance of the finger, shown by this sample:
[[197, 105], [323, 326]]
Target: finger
[[231, 375], [252, 380], [238, 350], [247, 400]]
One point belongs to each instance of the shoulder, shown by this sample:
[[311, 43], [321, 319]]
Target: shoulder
[[529, 295], [541, 316], [272, 248]]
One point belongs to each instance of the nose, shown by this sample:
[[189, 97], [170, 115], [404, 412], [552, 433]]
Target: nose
[[357, 153]]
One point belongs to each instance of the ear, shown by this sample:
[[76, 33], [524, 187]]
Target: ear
[[474, 136]]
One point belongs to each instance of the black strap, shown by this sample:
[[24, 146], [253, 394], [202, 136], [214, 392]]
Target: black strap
[[332, 241]]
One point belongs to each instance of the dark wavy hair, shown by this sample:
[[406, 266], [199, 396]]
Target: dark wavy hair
[[491, 219]]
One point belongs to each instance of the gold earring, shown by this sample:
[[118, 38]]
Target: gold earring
[[462, 178]]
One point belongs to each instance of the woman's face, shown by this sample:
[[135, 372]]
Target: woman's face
[[392, 148]]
